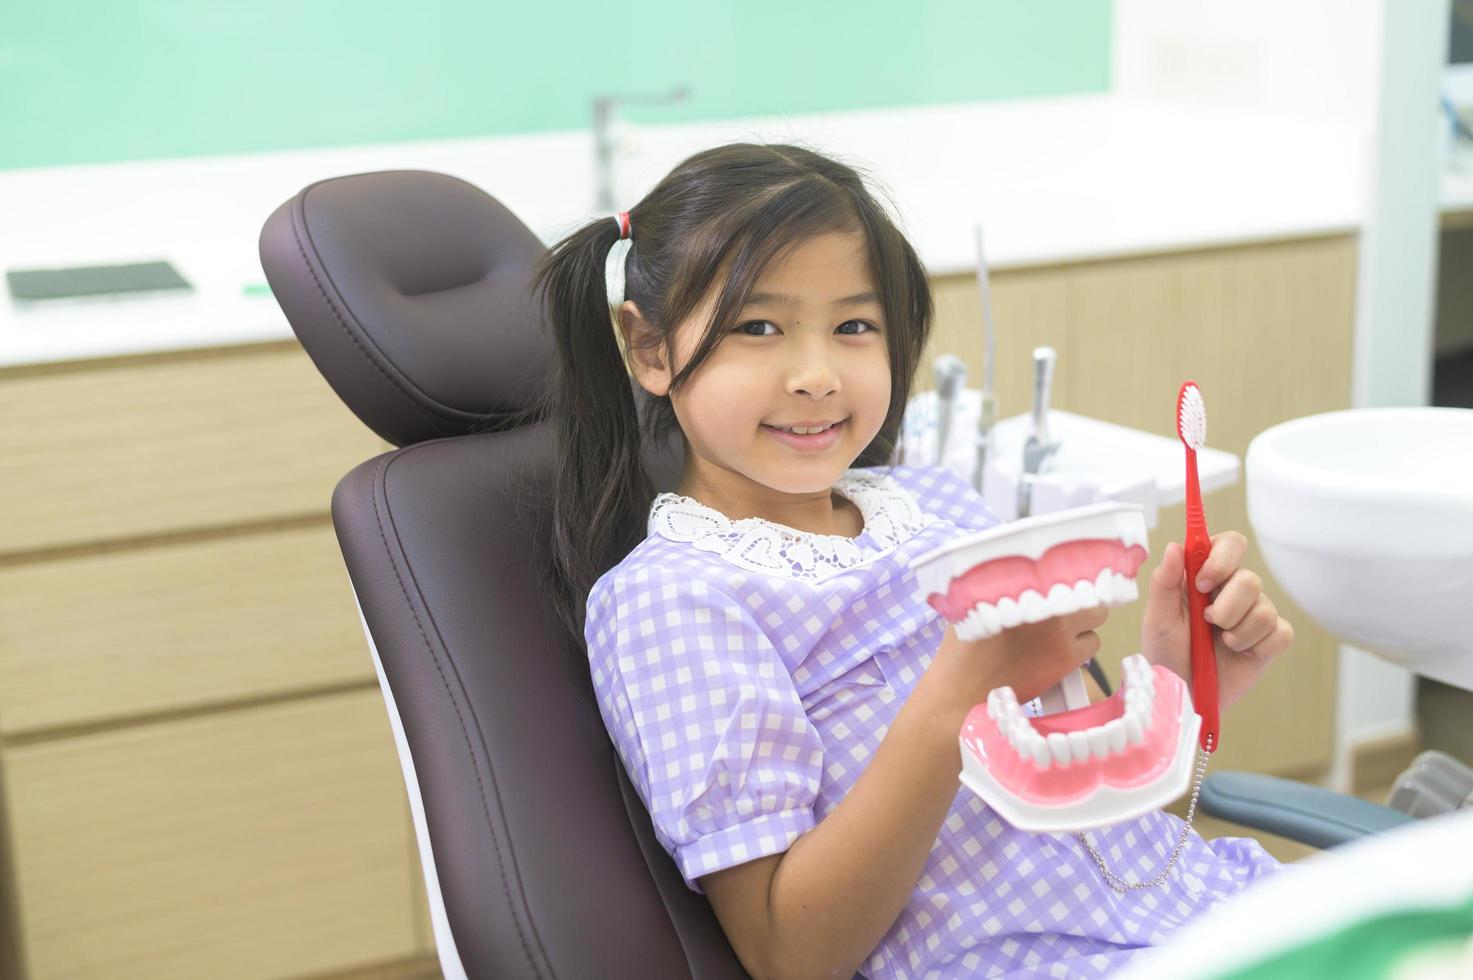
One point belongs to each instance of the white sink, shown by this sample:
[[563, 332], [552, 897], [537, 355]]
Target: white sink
[[1365, 517]]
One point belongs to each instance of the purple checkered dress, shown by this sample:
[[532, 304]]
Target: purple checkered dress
[[747, 672]]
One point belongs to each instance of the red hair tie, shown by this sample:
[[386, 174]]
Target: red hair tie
[[625, 228]]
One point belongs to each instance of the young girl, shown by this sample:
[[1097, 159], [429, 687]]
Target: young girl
[[786, 708]]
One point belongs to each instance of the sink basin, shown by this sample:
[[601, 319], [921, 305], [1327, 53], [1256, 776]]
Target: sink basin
[[1365, 517]]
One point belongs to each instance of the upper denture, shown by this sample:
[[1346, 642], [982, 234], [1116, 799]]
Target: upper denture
[[1014, 576]]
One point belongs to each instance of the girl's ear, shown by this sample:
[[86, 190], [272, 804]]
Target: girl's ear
[[644, 350]]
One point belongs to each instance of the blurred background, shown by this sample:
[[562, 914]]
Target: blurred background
[[197, 775]]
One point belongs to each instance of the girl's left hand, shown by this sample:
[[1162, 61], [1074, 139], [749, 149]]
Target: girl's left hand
[[1247, 631]]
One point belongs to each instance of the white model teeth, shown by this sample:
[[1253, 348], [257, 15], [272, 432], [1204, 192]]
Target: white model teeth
[[1038, 751], [986, 619], [1000, 704], [1033, 606], [1062, 598], [1100, 742], [1009, 613], [1058, 744]]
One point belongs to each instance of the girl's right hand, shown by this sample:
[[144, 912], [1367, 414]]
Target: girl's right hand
[[1030, 658]]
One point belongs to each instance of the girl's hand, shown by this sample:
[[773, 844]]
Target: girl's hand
[[1030, 658], [1247, 630]]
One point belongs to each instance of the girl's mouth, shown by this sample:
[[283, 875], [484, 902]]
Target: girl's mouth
[[812, 443]]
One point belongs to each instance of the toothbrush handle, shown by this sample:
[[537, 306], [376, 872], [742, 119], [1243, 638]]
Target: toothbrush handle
[[1068, 694], [1204, 659]]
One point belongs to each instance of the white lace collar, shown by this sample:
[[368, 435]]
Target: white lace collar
[[891, 516]]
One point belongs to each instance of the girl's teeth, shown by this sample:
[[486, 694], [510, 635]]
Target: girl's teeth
[[800, 430]]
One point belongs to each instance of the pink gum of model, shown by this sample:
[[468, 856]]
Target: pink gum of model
[[1136, 765], [1064, 564]]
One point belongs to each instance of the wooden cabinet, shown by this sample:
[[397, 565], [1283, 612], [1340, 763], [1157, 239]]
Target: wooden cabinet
[[264, 841], [141, 447], [198, 774], [1267, 331], [105, 636]]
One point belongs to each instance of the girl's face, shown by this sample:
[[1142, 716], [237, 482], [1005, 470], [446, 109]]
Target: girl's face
[[809, 347]]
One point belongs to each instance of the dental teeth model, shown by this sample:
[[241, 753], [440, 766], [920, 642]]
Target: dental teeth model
[[1079, 765]]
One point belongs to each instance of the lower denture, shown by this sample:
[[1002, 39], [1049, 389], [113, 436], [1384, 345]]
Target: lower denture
[[1135, 765]]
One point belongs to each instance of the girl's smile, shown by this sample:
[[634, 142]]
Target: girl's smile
[[809, 442]]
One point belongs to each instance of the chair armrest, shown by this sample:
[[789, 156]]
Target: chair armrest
[[1309, 814]]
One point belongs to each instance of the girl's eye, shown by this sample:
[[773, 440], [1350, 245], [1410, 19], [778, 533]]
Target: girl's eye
[[768, 323], [752, 323]]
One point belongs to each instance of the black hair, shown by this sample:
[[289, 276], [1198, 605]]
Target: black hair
[[729, 210]]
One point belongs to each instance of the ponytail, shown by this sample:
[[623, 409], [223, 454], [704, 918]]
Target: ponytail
[[601, 491]]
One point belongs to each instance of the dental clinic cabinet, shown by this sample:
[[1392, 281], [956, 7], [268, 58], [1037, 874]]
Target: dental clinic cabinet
[[197, 774]]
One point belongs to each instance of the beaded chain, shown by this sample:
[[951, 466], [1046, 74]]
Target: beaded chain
[[1120, 884]]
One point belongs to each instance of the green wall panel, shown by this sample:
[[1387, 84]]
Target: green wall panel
[[87, 81]]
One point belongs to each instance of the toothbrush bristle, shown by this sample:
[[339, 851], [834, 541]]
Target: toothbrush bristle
[[1191, 417]]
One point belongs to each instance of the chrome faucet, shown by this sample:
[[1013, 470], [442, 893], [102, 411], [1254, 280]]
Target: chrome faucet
[[603, 136]]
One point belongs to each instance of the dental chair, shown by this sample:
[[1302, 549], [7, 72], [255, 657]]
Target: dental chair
[[410, 292]]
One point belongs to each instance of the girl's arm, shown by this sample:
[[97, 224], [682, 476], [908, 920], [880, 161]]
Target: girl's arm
[[820, 908]]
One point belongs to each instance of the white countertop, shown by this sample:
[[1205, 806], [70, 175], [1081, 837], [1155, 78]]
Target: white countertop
[[1053, 180]]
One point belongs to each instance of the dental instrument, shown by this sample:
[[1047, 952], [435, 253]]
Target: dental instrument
[[1037, 448], [949, 375], [1191, 427], [989, 402]]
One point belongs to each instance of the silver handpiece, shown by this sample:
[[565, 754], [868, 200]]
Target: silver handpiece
[[949, 374], [1043, 380], [1038, 447]]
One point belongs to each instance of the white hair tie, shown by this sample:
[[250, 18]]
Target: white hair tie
[[614, 270], [614, 280]]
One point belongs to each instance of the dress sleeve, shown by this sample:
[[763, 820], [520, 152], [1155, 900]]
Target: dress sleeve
[[705, 716]]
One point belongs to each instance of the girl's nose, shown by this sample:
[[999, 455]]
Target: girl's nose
[[814, 373]]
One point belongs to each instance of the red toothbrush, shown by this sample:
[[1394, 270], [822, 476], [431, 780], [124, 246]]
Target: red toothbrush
[[1191, 427]]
